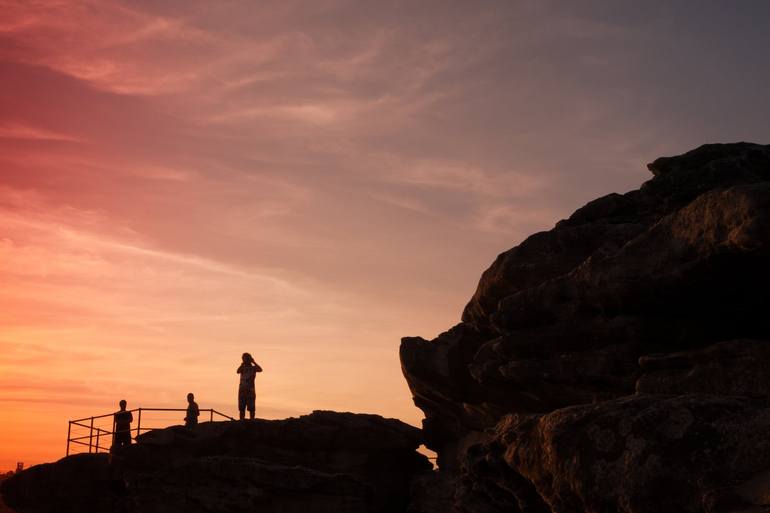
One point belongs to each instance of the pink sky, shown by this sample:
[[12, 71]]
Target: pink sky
[[309, 181]]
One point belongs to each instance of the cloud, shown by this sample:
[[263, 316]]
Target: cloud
[[104, 43], [509, 219], [159, 172], [68, 242], [20, 131], [466, 178], [316, 114], [17, 354], [411, 204]]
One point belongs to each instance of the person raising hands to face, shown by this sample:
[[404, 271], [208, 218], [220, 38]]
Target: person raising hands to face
[[246, 393]]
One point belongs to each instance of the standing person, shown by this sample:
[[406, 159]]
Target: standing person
[[246, 393], [191, 420], [123, 420]]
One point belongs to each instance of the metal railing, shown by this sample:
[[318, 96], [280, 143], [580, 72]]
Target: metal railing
[[96, 434]]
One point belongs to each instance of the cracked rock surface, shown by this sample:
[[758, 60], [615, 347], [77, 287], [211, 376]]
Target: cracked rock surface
[[647, 305]]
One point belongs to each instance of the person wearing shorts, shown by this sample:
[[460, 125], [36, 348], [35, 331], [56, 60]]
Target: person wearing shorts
[[246, 393]]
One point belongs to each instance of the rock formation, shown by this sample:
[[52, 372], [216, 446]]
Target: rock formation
[[541, 398], [322, 462], [3, 507]]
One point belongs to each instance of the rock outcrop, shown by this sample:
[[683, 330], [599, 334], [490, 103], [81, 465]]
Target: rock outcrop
[[662, 290], [3, 507], [317, 463]]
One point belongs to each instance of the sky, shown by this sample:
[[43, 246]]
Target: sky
[[309, 181]]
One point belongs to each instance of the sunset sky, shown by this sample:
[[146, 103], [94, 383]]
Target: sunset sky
[[183, 181]]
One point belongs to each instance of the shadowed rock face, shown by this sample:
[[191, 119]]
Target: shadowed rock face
[[735, 367], [323, 462], [675, 273], [639, 454]]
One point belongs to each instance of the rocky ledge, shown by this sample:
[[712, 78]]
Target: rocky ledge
[[618, 362], [322, 462]]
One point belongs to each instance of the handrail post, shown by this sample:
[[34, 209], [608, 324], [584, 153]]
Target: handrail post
[[91, 436], [211, 419], [69, 435], [139, 424]]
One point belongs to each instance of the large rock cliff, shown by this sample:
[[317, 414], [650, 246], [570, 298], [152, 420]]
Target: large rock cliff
[[541, 399]]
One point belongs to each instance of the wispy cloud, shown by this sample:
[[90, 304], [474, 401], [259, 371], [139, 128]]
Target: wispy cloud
[[20, 131], [68, 243], [104, 43], [400, 201], [466, 178], [505, 219]]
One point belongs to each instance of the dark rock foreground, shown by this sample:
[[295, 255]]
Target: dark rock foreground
[[618, 362], [322, 462]]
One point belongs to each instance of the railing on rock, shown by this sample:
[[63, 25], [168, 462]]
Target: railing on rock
[[97, 434]]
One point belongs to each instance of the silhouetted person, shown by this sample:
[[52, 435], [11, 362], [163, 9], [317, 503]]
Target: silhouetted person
[[246, 393], [123, 420], [191, 420]]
